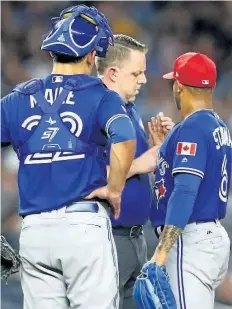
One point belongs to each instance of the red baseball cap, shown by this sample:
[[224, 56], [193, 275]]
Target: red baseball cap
[[194, 69]]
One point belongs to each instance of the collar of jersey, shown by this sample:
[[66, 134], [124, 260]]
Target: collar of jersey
[[130, 105], [199, 110]]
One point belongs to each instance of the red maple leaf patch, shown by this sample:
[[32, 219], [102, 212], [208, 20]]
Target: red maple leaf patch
[[162, 190], [186, 148]]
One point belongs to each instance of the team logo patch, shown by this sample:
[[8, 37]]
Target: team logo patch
[[160, 189], [186, 149]]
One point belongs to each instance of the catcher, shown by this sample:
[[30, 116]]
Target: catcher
[[10, 260]]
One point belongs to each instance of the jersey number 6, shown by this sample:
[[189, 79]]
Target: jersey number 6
[[224, 183]]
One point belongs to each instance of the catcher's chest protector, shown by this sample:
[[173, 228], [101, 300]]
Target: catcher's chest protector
[[51, 135]]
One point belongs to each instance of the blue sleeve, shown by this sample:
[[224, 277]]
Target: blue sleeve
[[113, 119], [181, 202], [121, 130], [5, 134], [191, 151]]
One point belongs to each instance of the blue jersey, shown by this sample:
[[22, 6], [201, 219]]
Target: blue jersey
[[137, 194], [199, 145], [50, 179]]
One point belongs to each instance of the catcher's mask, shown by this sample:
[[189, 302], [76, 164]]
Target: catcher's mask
[[78, 31]]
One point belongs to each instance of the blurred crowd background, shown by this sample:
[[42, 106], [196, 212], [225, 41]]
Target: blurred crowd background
[[167, 28]]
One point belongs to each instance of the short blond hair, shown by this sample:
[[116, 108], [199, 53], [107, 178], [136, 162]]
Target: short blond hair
[[123, 44]]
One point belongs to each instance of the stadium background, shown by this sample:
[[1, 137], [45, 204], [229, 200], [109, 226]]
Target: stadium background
[[168, 28]]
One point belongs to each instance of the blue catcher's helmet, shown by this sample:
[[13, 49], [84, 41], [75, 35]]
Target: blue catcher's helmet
[[78, 31]]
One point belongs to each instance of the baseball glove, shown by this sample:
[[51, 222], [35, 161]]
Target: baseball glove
[[10, 260], [152, 289]]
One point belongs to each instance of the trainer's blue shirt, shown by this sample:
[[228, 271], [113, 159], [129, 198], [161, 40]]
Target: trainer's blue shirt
[[137, 194], [48, 181], [200, 145]]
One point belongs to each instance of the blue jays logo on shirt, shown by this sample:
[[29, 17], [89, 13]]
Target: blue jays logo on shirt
[[159, 189], [162, 165]]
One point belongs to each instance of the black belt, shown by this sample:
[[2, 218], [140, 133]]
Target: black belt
[[159, 229], [133, 231], [204, 221]]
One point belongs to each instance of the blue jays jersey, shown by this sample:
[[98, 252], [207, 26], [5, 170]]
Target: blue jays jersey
[[50, 179], [200, 145], [137, 194]]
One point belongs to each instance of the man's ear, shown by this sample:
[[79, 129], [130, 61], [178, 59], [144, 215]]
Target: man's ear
[[112, 73], [180, 87], [91, 58]]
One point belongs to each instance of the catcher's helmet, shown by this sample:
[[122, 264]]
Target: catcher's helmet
[[78, 31]]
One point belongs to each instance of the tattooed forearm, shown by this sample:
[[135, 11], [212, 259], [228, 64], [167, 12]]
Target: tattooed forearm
[[169, 237]]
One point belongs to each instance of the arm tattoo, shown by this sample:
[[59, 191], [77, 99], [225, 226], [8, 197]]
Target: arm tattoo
[[169, 237]]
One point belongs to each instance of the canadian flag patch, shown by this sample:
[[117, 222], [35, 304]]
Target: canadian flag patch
[[186, 149]]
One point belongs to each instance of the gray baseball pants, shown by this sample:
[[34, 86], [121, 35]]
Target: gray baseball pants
[[69, 261], [197, 263], [132, 254]]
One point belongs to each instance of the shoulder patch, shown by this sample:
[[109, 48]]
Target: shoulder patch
[[186, 149]]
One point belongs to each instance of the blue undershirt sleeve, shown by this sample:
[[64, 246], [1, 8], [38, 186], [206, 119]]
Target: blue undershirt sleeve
[[181, 202]]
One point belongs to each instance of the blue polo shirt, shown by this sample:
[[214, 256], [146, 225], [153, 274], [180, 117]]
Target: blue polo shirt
[[137, 194]]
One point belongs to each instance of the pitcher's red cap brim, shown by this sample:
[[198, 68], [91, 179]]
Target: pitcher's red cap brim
[[169, 75]]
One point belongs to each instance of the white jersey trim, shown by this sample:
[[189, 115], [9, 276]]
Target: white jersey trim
[[112, 119], [42, 158], [188, 170]]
